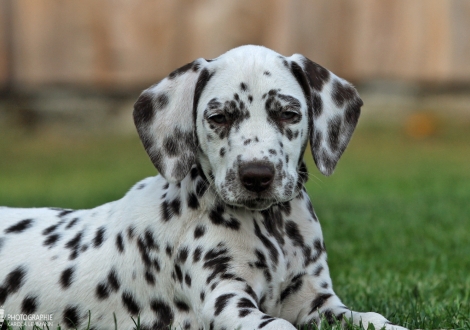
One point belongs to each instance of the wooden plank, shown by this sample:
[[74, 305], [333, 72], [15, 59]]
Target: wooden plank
[[124, 44]]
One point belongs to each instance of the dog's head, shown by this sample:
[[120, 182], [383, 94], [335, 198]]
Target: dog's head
[[245, 118]]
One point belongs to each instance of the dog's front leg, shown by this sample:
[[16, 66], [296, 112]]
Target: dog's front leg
[[232, 305], [313, 304]]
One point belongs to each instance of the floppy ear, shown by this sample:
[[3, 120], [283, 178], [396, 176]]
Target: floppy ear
[[163, 115], [334, 108]]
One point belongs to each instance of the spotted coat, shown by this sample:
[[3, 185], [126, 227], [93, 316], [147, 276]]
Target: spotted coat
[[226, 236]]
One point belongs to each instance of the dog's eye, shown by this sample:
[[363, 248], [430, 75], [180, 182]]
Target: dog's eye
[[218, 118], [289, 115]]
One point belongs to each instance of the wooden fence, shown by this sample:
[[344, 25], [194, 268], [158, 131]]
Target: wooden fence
[[119, 44]]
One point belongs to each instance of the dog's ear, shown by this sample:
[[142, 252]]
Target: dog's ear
[[334, 109], [163, 115]]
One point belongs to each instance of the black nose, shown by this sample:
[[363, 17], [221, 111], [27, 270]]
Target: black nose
[[256, 177]]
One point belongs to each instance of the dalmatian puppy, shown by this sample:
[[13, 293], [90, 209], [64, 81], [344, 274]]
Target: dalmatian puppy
[[226, 236]]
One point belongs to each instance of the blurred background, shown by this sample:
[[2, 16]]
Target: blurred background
[[82, 63]]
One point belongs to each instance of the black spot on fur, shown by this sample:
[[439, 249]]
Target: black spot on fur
[[169, 251], [289, 134], [51, 240], [66, 278], [261, 263], [149, 278], [99, 237], [163, 312], [120, 243], [267, 73], [319, 301], [243, 87], [50, 229], [71, 316], [222, 152], [316, 74], [317, 104], [294, 287], [274, 223], [182, 70], [71, 223], [217, 217], [342, 93], [199, 231], [182, 254], [202, 296], [143, 251], [181, 306], [64, 212], [265, 323], [334, 130], [201, 188], [201, 83], [244, 312], [187, 280], [293, 232], [161, 101], [301, 78], [13, 282], [249, 290], [165, 211], [218, 260], [129, 302], [245, 303], [150, 242], [197, 254], [318, 270], [29, 305], [156, 264], [274, 105], [273, 252], [113, 280], [112, 283], [19, 227], [194, 173], [179, 273], [130, 232], [102, 291], [168, 210], [74, 245], [221, 302], [352, 112], [193, 201], [143, 110], [171, 146], [315, 142]]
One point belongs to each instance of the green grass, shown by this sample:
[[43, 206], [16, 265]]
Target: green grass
[[395, 215]]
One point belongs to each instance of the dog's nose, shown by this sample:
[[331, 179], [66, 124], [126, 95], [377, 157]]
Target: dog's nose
[[256, 177]]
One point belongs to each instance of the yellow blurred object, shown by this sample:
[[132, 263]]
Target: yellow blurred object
[[421, 125]]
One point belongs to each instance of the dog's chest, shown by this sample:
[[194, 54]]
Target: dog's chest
[[241, 245]]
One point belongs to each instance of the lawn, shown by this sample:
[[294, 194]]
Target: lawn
[[395, 215]]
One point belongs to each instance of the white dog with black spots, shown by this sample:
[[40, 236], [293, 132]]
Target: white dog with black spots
[[226, 236]]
